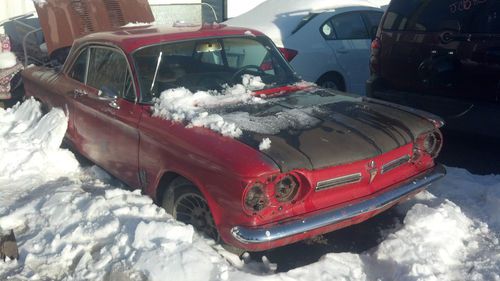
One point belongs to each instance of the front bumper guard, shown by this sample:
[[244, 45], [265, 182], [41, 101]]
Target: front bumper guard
[[257, 235]]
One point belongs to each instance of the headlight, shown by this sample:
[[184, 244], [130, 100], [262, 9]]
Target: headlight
[[430, 143], [256, 198], [286, 189]]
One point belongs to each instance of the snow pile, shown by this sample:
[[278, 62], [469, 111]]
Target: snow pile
[[182, 105], [29, 148], [7, 60], [75, 224]]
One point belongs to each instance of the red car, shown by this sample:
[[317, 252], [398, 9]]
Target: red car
[[301, 160]]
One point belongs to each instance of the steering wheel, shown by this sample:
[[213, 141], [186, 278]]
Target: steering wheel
[[242, 69]]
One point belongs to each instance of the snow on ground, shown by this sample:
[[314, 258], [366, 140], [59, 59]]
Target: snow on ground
[[78, 223]]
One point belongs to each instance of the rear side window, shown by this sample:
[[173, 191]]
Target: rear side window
[[349, 26], [79, 68], [353, 25], [470, 16]]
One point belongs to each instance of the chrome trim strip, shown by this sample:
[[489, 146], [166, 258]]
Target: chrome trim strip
[[343, 180], [395, 163], [256, 235]]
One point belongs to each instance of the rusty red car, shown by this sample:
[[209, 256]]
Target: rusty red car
[[281, 161]]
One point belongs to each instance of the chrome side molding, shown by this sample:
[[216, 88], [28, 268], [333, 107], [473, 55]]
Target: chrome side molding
[[395, 163], [343, 180]]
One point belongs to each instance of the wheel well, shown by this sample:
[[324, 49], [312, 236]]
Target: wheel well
[[164, 184], [334, 76]]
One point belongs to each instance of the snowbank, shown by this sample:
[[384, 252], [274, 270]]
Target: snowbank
[[77, 223]]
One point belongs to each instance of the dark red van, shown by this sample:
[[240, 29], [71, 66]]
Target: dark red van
[[442, 56]]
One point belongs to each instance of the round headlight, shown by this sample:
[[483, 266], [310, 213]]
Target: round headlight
[[286, 189], [255, 198], [431, 143]]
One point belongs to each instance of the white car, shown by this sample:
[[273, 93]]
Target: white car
[[326, 42]]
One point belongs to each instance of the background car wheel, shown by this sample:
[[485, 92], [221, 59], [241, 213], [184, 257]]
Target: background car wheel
[[331, 81]]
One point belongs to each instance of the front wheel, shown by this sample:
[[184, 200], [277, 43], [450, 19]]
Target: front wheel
[[190, 207], [186, 204]]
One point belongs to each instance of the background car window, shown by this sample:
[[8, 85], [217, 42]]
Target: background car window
[[244, 52], [372, 20], [79, 68], [349, 26], [471, 16], [108, 72]]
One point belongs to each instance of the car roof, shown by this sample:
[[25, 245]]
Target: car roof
[[135, 36], [278, 18]]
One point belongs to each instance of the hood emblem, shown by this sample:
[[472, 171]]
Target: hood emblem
[[372, 170]]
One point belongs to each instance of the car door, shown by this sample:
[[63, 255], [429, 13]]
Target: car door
[[106, 114], [349, 36]]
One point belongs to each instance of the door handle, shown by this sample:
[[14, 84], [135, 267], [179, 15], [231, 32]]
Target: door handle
[[114, 104], [79, 92], [343, 51]]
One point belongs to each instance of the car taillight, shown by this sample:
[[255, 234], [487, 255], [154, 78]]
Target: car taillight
[[376, 47], [286, 189], [289, 54], [376, 44], [255, 198], [429, 143]]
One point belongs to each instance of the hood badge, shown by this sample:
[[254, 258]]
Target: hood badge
[[372, 170]]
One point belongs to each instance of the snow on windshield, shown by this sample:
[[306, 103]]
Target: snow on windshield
[[75, 223], [182, 105]]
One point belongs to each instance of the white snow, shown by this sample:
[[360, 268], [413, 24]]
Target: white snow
[[7, 60], [265, 144], [182, 105], [75, 223]]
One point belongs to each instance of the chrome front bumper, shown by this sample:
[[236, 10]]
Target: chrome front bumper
[[256, 235]]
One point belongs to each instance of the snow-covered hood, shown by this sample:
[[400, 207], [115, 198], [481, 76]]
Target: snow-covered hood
[[314, 130]]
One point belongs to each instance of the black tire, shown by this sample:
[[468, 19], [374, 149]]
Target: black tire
[[186, 204], [331, 81], [189, 206]]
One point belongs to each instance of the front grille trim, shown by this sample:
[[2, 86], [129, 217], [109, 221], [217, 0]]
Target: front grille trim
[[339, 181], [395, 163]]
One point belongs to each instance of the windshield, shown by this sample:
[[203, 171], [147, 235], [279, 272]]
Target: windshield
[[209, 64]]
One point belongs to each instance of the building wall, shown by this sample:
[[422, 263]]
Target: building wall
[[11, 8]]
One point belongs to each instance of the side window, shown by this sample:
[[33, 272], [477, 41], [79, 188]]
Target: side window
[[346, 26], [108, 72], [372, 20], [79, 69]]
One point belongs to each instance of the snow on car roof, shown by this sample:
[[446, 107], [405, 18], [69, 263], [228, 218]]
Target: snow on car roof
[[278, 18]]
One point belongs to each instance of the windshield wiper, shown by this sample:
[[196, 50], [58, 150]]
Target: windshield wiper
[[156, 71]]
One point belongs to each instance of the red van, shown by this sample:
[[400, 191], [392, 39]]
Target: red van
[[442, 56]]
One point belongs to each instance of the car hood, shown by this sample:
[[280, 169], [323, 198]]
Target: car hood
[[318, 128]]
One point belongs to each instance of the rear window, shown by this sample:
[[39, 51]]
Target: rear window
[[469, 16]]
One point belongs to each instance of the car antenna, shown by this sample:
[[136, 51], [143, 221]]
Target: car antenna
[[156, 71]]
